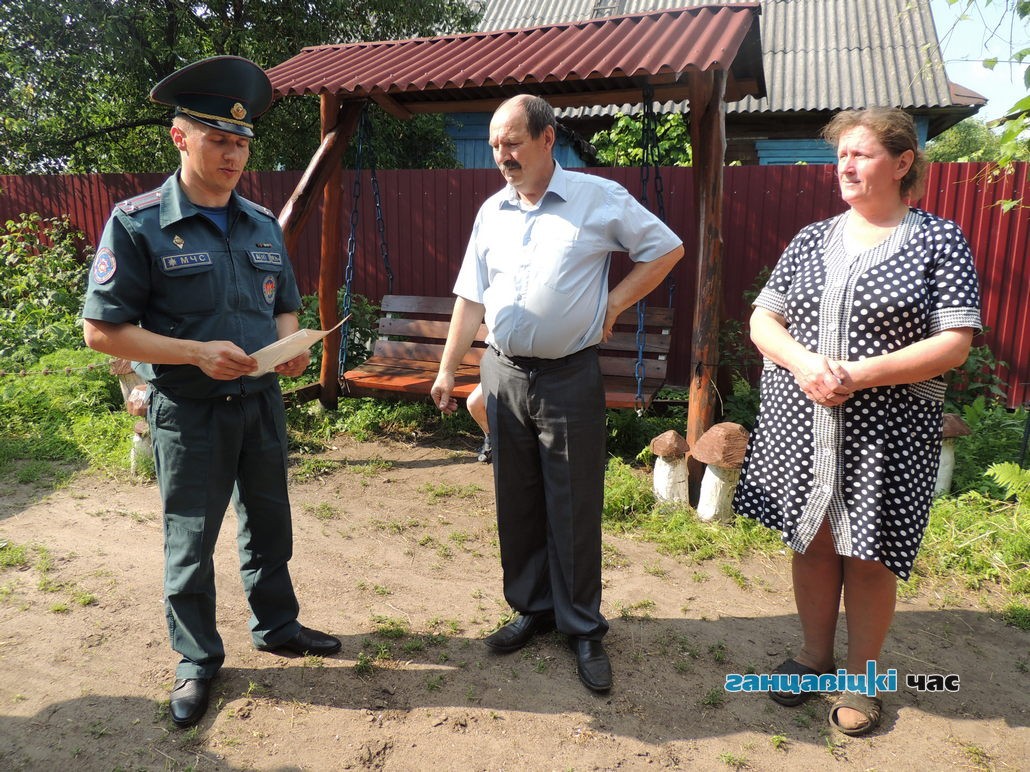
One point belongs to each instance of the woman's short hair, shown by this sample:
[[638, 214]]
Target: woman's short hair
[[893, 128]]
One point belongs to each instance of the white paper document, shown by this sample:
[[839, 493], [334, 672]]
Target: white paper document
[[285, 349]]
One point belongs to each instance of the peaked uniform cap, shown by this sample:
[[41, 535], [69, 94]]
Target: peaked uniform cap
[[225, 92]]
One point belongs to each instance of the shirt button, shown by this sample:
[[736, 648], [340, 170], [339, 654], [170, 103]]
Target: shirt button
[[827, 452], [831, 326], [826, 489]]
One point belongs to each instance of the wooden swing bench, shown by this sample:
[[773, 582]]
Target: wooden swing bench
[[413, 329]]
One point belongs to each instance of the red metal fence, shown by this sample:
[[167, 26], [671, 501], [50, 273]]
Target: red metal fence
[[427, 216]]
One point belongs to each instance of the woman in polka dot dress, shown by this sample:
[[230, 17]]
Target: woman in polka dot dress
[[860, 318]]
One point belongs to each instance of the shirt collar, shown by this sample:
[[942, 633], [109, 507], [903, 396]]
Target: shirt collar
[[558, 185], [175, 206]]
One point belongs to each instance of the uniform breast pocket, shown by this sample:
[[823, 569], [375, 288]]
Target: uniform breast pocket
[[268, 268], [190, 283]]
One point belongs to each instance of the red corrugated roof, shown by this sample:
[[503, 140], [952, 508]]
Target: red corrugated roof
[[576, 63]]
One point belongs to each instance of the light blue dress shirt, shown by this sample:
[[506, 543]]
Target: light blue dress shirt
[[541, 270]]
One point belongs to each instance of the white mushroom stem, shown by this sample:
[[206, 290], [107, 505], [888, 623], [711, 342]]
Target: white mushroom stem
[[715, 501], [670, 479], [947, 468], [142, 448]]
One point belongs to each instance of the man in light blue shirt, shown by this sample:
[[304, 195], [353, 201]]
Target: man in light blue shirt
[[536, 269]]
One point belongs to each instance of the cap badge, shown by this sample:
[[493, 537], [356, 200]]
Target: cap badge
[[238, 111], [178, 241]]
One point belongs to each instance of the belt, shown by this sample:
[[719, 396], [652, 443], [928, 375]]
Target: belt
[[538, 363]]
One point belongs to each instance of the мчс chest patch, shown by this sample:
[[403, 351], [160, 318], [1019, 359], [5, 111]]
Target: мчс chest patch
[[178, 262]]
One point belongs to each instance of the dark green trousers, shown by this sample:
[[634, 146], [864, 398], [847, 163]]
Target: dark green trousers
[[206, 453]]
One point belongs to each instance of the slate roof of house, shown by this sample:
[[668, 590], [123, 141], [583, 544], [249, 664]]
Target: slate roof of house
[[817, 54]]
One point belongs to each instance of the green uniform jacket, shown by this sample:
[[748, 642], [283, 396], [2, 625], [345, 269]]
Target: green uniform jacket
[[164, 265]]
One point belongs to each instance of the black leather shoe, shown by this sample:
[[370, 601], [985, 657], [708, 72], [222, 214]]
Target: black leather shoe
[[514, 635], [592, 664], [188, 701], [307, 641]]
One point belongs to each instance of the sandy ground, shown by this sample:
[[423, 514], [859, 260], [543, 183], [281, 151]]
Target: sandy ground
[[396, 553]]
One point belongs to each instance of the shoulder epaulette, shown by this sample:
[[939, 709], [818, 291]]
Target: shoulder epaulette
[[258, 207], [142, 201]]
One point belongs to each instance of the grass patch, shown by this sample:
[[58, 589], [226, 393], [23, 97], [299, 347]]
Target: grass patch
[[75, 414], [13, 555], [388, 627], [1017, 615], [981, 539], [308, 469], [437, 491], [323, 511], [630, 507]]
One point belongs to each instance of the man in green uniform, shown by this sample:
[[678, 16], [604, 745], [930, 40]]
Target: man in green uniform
[[187, 280]]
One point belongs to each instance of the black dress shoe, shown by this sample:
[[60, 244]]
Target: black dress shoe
[[592, 664], [189, 700], [514, 635], [307, 641]]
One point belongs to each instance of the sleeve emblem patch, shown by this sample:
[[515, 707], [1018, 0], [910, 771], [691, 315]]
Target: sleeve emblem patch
[[268, 287], [104, 266]]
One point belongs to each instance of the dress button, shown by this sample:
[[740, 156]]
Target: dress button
[[826, 489]]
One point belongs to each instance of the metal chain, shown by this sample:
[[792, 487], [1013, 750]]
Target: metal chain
[[352, 243], [638, 368], [384, 253], [650, 157]]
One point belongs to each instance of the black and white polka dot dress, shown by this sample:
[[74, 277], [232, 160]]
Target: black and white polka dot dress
[[870, 464]]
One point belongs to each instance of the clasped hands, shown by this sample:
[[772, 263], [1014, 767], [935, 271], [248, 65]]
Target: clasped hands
[[827, 382]]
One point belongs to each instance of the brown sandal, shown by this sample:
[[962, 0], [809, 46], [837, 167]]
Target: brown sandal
[[870, 707]]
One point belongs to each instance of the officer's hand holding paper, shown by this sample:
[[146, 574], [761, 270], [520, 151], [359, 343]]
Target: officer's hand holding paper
[[285, 349]]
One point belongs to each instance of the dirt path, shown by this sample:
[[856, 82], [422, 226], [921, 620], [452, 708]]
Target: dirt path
[[396, 552]]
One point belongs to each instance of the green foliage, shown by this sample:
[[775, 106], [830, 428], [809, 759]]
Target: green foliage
[[968, 140], [365, 419], [977, 538], [44, 280], [363, 329], [741, 405], [739, 358], [1017, 615], [621, 145], [70, 417], [627, 493], [977, 378], [1014, 141], [1014, 480], [628, 433], [996, 435], [74, 75]]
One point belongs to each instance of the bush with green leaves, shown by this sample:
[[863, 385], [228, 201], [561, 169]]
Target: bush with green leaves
[[44, 280], [996, 435], [621, 145], [363, 329], [976, 378], [630, 434]]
